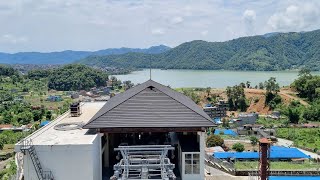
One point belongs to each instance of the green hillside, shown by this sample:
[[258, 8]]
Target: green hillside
[[279, 51]]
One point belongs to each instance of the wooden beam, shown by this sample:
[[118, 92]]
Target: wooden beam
[[136, 130]]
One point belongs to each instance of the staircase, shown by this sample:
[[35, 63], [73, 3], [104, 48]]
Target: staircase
[[224, 166], [27, 146]]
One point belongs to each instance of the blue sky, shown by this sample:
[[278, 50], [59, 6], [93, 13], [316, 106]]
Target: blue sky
[[55, 25]]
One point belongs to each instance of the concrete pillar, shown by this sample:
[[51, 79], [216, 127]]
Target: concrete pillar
[[202, 148], [106, 152]]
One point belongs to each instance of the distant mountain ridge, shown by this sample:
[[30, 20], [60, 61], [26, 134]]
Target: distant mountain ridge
[[69, 56], [269, 52]]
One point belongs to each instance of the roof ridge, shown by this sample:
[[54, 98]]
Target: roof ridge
[[162, 86], [127, 95], [118, 103]]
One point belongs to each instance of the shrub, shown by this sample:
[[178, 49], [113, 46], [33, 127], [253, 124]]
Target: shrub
[[214, 140], [253, 140], [238, 147]]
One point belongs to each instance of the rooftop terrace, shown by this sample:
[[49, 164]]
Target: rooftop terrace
[[50, 135]]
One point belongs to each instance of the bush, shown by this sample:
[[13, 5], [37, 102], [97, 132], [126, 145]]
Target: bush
[[238, 147], [253, 140], [214, 140]]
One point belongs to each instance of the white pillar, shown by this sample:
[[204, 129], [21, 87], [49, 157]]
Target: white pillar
[[202, 147]]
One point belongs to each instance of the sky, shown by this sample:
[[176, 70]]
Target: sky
[[56, 25]]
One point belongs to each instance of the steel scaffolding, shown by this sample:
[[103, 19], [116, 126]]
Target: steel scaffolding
[[144, 162]]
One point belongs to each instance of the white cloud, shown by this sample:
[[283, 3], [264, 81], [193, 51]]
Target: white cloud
[[158, 31], [204, 33], [12, 39], [100, 24], [177, 20], [296, 17], [249, 17]]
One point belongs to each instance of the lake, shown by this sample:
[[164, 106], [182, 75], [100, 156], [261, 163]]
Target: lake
[[209, 78]]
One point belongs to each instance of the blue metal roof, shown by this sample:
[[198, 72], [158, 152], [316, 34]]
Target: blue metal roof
[[277, 152], [225, 132]]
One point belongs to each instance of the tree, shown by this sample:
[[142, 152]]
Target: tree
[[304, 72], [7, 117], [236, 98], [272, 86], [294, 115], [208, 91], [76, 77], [127, 84], [253, 140], [192, 95], [25, 117], [242, 104], [1, 144], [214, 140], [248, 84], [261, 85], [272, 89], [243, 85], [312, 113], [48, 115], [225, 123], [37, 115], [238, 147]]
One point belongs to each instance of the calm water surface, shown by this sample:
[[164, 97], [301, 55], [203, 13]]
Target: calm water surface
[[209, 78]]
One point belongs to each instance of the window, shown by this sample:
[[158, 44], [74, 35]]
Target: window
[[192, 164]]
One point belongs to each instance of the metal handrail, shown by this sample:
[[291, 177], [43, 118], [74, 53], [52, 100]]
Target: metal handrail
[[27, 144]]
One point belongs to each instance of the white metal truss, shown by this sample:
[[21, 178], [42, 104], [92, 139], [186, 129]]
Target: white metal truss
[[144, 162]]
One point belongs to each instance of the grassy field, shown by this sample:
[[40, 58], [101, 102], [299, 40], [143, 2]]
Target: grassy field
[[302, 137], [270, 123], [242, 165], [8, 148]]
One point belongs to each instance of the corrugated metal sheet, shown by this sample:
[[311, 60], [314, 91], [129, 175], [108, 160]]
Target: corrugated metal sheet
[[142, 106], [277, 152]]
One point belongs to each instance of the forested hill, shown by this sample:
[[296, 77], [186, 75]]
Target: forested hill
[[279, 51], [66, 57]]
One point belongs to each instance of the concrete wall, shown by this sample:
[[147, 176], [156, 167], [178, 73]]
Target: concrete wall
[[72, 162], [97, 159], [201, 175]]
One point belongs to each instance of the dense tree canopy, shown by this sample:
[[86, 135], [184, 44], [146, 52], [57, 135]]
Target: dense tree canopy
[[236, 98], [307, 85], [277, 52], [8, 71], [76, 77]]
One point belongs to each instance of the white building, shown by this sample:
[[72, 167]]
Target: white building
[[159, 132]]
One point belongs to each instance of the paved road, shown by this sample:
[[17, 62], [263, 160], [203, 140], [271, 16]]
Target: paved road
[[216, 174], [288, 143]]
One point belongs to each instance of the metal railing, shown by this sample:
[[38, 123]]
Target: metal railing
[[27, 146], [223, 163]]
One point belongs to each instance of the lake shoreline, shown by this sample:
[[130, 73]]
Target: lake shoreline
[[208, 78]]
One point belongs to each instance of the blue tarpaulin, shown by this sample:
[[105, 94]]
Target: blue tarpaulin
[[225, 132], [43, 123], [277, 152]]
